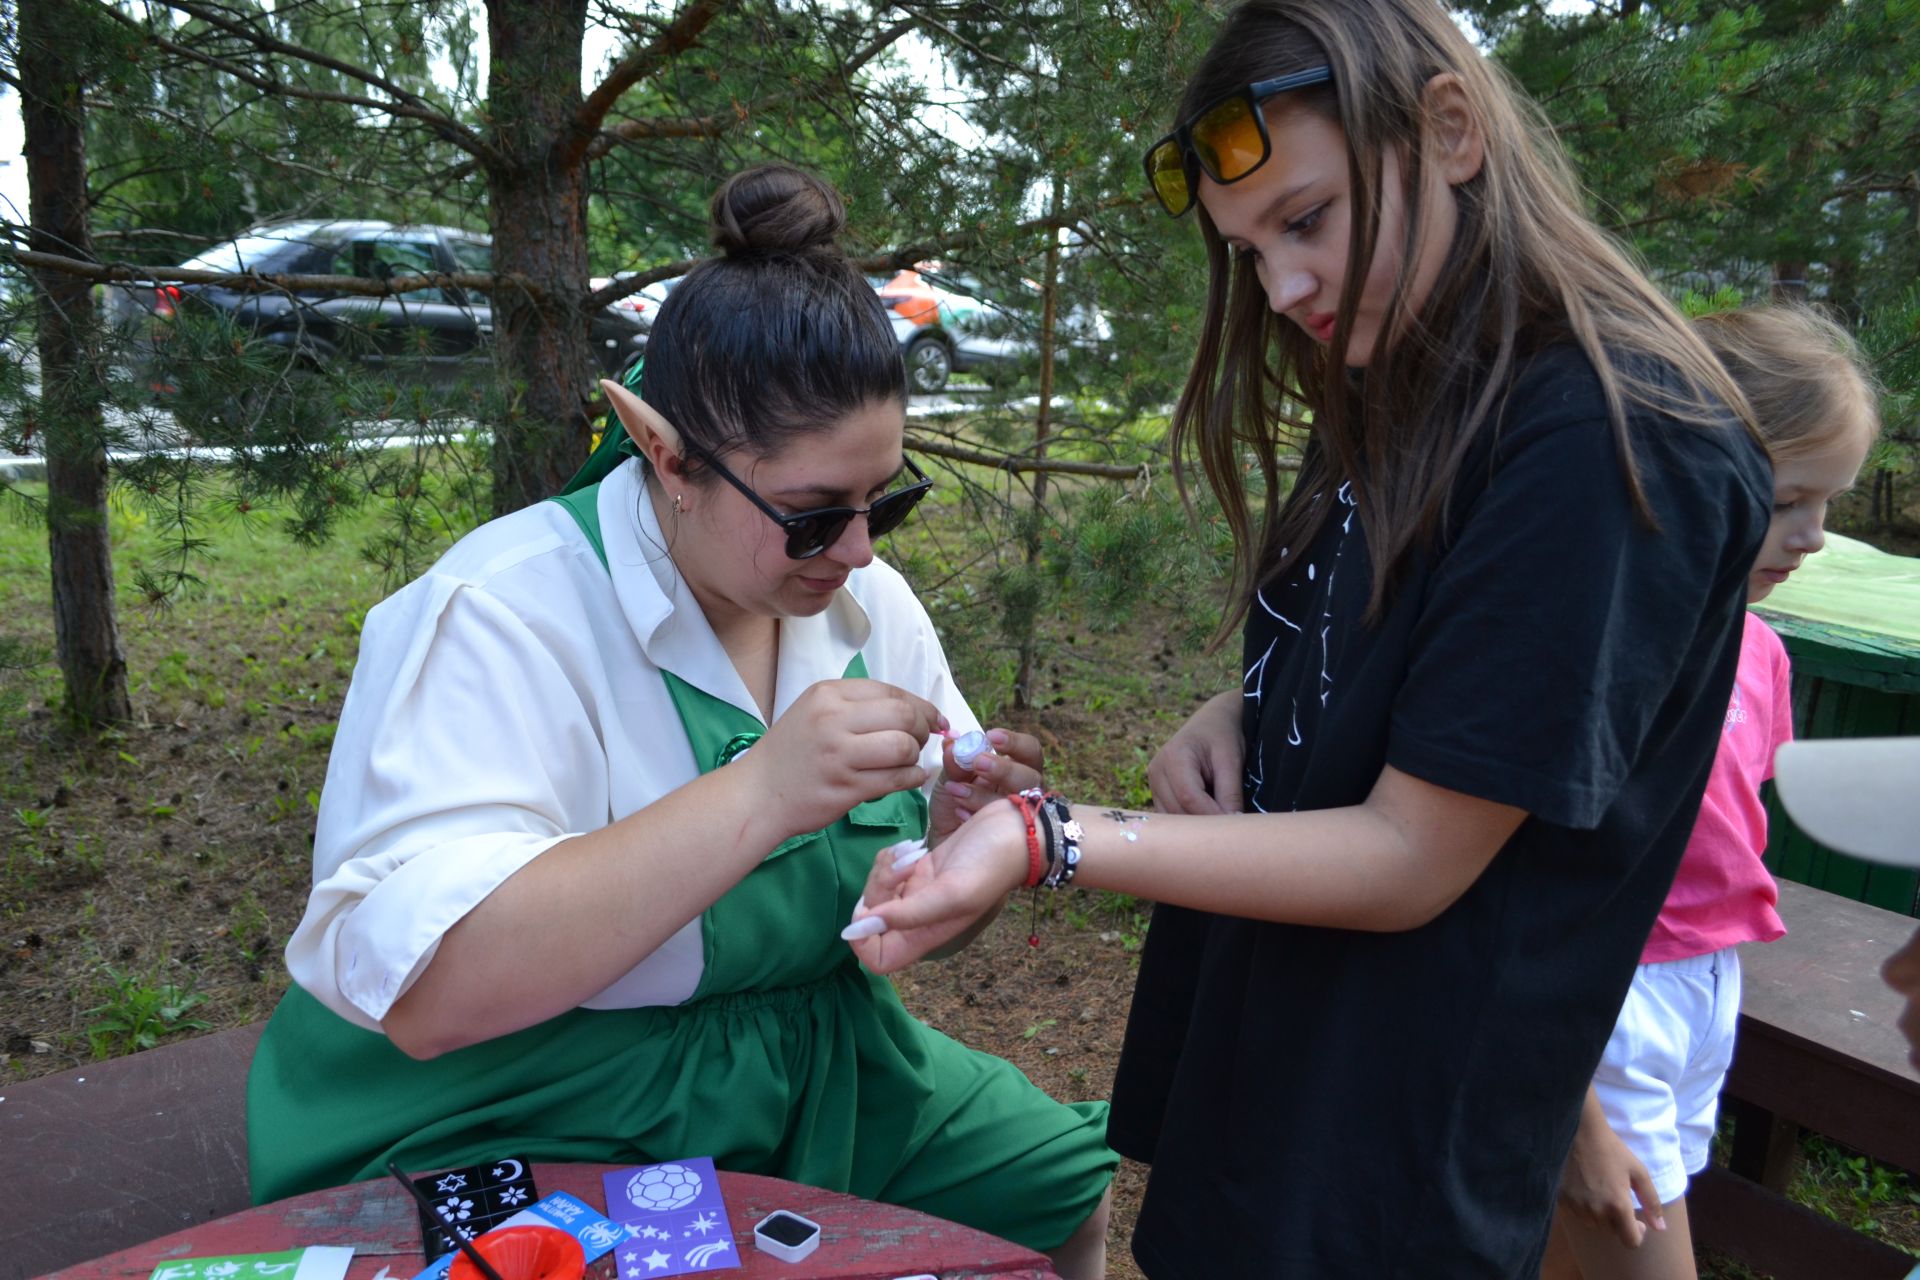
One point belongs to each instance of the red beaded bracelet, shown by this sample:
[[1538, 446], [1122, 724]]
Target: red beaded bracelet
[[1036, 864]]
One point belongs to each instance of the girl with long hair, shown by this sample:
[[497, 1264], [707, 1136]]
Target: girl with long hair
[[1404, 869]]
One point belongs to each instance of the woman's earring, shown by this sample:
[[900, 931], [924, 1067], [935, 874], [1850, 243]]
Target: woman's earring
[[678, 499]]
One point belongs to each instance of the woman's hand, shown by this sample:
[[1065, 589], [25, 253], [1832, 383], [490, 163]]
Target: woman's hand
[[1198, 771], [938, 897], [1599, 1175], [1015, 764], [841, 743]]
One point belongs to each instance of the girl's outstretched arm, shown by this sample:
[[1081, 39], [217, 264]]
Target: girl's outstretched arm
[[1393, 862]]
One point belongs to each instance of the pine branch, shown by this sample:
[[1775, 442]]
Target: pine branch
[[404, 106], [680, 35], [1031, 73], [626, 285], [712, 126], [257, 282], [1013, 462]]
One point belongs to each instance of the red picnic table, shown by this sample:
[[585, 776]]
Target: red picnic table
[[859, 1239]]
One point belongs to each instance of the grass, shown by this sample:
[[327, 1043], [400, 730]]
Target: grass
[[138, 1012]]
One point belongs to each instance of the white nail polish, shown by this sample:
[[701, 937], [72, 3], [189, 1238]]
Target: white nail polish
[[870, 927], [969, 747], [907, 853]]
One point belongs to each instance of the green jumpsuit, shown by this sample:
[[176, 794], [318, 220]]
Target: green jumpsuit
[[789, 1060]]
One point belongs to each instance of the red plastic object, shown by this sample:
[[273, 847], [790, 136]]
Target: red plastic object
[[524, 1253]]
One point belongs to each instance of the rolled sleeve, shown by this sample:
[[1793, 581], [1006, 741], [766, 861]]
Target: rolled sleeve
[[464, 753]]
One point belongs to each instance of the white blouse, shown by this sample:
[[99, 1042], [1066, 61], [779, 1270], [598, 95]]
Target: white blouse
[[509, 699]]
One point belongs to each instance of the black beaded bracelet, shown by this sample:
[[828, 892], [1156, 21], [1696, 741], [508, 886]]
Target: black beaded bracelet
[[1048, 828], [1060, 871]]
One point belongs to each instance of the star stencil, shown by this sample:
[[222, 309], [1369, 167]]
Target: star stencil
[[657, 1260], [451, 1183]]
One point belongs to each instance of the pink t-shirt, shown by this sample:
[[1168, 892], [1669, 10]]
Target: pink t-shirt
[[1722, 894]]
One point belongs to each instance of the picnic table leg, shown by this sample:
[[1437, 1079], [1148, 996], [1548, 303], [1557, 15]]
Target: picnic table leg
[[1766, 1149]]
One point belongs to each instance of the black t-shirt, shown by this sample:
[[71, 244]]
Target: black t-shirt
[[1332, 1103]]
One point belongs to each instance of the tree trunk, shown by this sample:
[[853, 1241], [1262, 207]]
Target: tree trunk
[[1042, 427], [86, 637], [539, 216]]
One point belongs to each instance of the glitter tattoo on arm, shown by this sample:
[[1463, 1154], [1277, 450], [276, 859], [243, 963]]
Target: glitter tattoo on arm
[[1129, 821]]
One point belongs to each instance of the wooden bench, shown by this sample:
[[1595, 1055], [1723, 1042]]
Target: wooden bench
[[121, 1151], [1818, 1049]]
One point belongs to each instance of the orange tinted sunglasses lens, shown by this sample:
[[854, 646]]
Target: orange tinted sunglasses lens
[[1229, 140], [1169, 177]]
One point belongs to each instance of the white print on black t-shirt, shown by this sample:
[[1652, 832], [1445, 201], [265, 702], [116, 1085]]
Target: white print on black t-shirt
[[1256, 673], [1253, 682], [1261, 597]]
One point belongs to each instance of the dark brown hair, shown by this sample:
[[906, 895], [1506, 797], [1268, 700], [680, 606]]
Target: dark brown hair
[[779, 335], [1801, 373], [1526, 267]]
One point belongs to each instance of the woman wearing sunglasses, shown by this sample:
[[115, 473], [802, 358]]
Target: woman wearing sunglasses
[[1408, 865], [609, 780]]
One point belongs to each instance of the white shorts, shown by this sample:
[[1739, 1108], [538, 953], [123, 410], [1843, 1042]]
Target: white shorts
[[1659, 1080]]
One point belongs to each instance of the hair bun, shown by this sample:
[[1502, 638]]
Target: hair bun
[[776, 208]]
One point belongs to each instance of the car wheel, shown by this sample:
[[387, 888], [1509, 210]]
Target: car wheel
[[929, 364]]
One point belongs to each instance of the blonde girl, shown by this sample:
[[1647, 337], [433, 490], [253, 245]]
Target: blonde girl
[[1647, 1123]]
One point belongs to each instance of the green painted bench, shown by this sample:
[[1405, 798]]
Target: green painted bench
[[1850, 619]]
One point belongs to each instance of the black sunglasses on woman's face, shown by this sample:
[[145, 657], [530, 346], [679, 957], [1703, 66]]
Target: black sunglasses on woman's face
[[811, 532]]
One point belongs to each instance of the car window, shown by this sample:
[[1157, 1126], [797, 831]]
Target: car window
[[383, 259], [472, 255], [253, 253]]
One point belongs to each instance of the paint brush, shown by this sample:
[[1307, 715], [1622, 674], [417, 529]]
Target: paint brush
[[466, 1245]]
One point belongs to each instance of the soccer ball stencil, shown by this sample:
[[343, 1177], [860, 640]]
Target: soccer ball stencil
[[664, 1186]]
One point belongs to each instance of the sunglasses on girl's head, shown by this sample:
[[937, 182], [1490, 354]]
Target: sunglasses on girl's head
[[1228, 137], [811, 532]]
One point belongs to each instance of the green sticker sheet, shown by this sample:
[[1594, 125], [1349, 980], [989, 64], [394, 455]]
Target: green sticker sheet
[[317, 1262]]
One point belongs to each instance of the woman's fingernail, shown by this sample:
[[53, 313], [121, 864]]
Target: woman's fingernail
[[962, 814], [869, 927], [959, 789], [1659, 1224], [911, 854], [860, 904], [998, 737]]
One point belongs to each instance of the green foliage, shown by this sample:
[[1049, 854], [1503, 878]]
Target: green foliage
[[1855, 1189], [138, 1011], [18, 661]]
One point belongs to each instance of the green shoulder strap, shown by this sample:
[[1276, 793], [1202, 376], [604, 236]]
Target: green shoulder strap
[[583, 505], [581, 495], [696, 706], [615, 447]]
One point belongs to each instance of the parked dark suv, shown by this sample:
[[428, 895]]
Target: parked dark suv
[[424, 335]]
